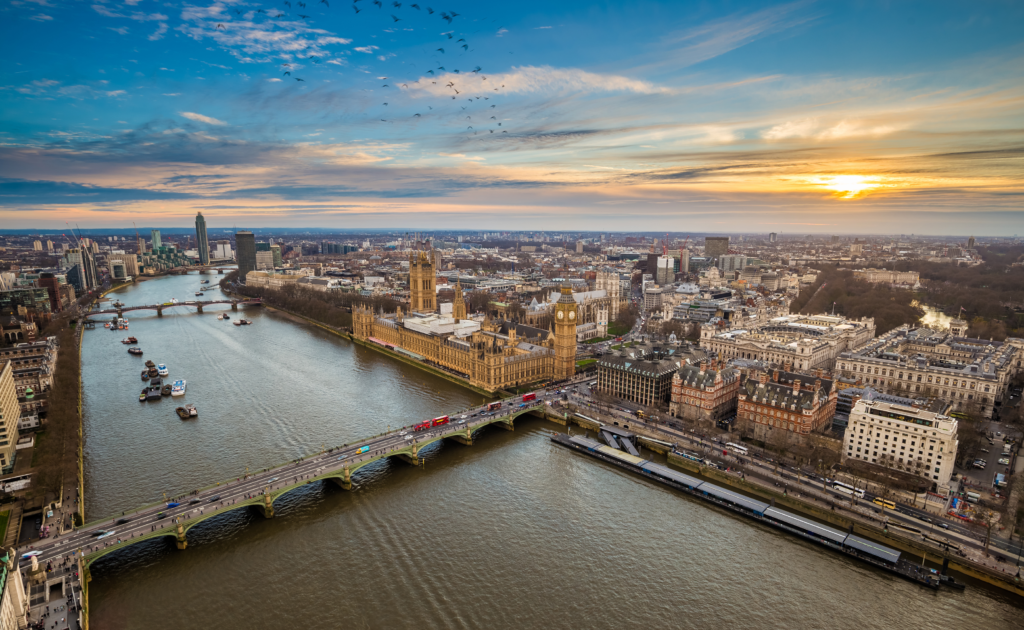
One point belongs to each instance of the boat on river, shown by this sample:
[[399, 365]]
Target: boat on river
[[224, 316], [129, 340], [153, 373], [145, 375], [150, 364], [166, 390], [153, 393], [178, 389], [186, 412], [242, 322], [142, 396], [199, 292], [135, 351], [162, 369]]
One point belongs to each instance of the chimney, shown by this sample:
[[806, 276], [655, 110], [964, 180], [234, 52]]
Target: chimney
[[703, 365], [762, 378], [819, 372], [775, 375], [817, 383], [788, 366], [796, 387]]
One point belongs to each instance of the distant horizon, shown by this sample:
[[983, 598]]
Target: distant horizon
[[144, 232]]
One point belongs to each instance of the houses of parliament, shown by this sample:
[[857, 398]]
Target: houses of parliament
[[491, 354]]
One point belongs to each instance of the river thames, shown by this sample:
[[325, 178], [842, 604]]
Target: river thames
[[513, 532]]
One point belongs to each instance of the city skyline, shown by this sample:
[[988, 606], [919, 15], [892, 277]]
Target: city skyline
[[798, 118]]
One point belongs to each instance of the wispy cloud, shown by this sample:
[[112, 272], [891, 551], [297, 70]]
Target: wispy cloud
[[539, 79], [41, 17], [159, 33], [200, 118]]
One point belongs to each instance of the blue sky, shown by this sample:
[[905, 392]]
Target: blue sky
[[729, 116]]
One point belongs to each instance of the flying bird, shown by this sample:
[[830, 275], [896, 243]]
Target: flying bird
[[405, 85], [385, 85], [378, 3], [493, 106], [415, 6], [385, 104], [441, 49], [288, 4], [454, 14], [450, 36], [259, 11], [477, 69], [298, 79], [430, 72], [396, 19], [415, 115], [325, 2], [221, 26], [358, 10], [447, 17], [465, 46], [493, 118], [450, 84], [461, 39], [302, 4], [430, 11], [304, 17], [396, 4], [287, 74], [279, 15]]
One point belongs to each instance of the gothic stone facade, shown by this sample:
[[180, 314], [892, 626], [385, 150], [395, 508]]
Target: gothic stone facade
[[785, 406], [704, 393]]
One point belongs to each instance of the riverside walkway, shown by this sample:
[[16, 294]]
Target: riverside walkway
[[261, 489]]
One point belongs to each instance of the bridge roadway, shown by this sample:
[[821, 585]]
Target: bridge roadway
[[262, 488]]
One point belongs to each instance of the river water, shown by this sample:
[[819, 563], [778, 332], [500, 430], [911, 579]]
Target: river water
[[513, 532]]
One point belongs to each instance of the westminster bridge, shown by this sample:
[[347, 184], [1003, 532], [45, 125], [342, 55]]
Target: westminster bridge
[[260, 490]]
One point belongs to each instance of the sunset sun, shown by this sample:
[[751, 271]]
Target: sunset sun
[[848, 186]]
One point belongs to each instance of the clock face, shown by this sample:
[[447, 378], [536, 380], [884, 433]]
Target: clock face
[[572, 314], [561, 314]]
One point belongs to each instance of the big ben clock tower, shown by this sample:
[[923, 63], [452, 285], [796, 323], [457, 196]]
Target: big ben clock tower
[[565, 334]]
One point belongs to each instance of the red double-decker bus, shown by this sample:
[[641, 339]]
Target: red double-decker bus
[[529, 397], [493, 406], [439, 421], [421, 426]]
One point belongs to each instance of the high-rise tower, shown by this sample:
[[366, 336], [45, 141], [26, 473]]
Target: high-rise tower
[[155, 234], [204, 245], [565, 334], [422, 283], [245, 253]]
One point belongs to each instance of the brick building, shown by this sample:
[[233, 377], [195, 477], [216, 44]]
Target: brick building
[[704, 393], [796, 404]]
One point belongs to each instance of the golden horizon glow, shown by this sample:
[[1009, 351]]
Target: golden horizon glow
[[849, 186]]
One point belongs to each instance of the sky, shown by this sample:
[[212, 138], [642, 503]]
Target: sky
[[808, 117]]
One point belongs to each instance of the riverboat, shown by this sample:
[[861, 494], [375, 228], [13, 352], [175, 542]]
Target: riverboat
[[224, 316], [242, 322], [179, 387], [153, 373], [186, 412], [153, 393], [129, 340], [150, 364], [199, 292], [156, 382], [162, 369], [142, 396], [145, 375], [135, 351], [166, 390]]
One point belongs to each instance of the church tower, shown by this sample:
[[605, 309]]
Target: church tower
[[458, 304], [422, 284], [565, 335]]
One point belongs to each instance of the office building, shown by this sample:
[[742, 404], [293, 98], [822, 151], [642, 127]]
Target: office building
[[88, 274], [37, 246], [264, 261], [715, 246], [10, 412], [684, 261], [782, 406], [731, 262], [275, 251], [643, 373], [223, 251], [665, 273], [245, 252], [903, 438], [704, 393], [203, 244], [49, 246], [773, 237], [156, 243]]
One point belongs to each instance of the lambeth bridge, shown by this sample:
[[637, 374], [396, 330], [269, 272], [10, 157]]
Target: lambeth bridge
[[121, 309], [260, 490]]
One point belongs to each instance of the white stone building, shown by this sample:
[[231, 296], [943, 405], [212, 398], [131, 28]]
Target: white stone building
[[901, 438]]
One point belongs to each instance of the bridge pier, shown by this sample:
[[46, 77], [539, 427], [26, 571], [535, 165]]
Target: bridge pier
[[410, 458], [267, 508], [234, 305], [345, 482], [199, 308], [507, 426], [120, 314], [159, 311], [463, 438], [179, 537]]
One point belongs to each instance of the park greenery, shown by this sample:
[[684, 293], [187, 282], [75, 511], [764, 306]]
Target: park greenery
[[837, 290]]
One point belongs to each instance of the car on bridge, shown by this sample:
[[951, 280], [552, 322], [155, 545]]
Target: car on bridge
[[214, 499], [362, 449]]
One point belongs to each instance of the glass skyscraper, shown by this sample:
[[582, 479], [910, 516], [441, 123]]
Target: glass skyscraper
[[204, 245]]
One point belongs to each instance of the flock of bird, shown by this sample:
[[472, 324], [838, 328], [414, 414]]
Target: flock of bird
[[472, 76]]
